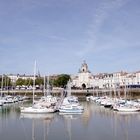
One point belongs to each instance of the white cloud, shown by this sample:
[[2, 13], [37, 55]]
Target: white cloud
[[101, 13]]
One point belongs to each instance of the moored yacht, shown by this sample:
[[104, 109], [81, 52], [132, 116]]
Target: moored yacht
[[127, 108], [70, 104], [37, 107]]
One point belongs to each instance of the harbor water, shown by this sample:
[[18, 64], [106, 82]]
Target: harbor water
[[95, 123]]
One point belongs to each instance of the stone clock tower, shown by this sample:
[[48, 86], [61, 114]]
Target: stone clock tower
[[84, 67], [84, 79]]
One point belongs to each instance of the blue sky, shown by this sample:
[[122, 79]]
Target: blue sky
[[60, 34]]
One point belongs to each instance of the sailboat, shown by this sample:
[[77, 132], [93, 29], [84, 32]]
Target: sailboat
[[70, 104], [48, 99], [36, 108], [127, 107]]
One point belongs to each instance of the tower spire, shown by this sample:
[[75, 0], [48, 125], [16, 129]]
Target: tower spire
[[84, 67]]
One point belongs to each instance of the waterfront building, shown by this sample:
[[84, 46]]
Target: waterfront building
[[137, 77], [14, 78], [133, 79], [119, 79], [84, 78], [116, 80], [103, 80]]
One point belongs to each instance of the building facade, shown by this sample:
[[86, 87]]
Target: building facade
[[14, 78], [84, 78], [117, 79]]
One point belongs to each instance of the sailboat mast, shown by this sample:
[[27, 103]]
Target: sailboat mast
[[125, 90], [34, 81], [68, 88], [48, 86], [44, 86], [1, 85]]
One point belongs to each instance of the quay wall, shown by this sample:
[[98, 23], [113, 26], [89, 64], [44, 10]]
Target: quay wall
[[80, 93], [84, 92]]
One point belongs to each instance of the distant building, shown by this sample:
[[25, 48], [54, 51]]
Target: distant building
[[84, 78], [14, 78], [117, 79]]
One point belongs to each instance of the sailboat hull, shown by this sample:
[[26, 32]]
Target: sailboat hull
[[71, 109], [125, 109], [33, 110]]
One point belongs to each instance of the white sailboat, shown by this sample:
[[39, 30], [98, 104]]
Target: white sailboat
[[47, 100], [127, 107], [36, 108], [70, 103]]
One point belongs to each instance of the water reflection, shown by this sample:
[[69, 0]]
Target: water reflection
[[47, 117], [114, 124], [40, 124], [95, 122], [68, 120]]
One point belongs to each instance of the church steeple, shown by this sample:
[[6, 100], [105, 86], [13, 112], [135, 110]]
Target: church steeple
[[84, 67], [84, 79]]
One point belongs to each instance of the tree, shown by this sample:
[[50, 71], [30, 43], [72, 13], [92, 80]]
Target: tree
[[20, 82], [39, 81], [6, 81], [28, 82], [61, 81]]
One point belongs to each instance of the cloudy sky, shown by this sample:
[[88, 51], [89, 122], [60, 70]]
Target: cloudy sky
[[60, 34]]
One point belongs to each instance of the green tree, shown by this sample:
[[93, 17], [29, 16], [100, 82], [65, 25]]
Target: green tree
[[39, 81], [6, 81], [28, 82], [20, 82], [62, 80]]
